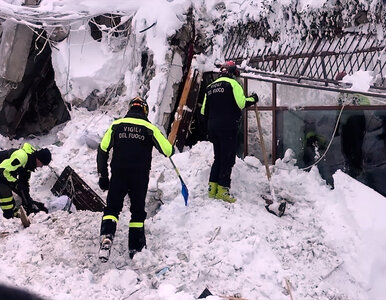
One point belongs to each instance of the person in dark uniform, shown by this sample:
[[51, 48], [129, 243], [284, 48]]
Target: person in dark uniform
[[224, 99], [352, 130], [132, 139], [16, 166]]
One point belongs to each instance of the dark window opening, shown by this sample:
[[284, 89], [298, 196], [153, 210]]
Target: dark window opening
[[36, 105], [198, 127], [358, 146]]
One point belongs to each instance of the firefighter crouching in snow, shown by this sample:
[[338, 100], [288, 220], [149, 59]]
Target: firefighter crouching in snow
[[224, 99], [132, 139], [16, 166]]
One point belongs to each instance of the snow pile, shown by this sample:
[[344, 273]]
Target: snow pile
[[326, 245], [360, 80]]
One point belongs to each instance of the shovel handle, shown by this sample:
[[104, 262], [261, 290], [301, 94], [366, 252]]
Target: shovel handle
[[262, 144]]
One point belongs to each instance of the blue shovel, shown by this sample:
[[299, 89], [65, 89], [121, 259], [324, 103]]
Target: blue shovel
[[184, 189]]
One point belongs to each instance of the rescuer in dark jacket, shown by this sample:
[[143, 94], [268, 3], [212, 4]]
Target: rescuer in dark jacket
[[132, 139], [16, 166], [352, 130], [224, 99]]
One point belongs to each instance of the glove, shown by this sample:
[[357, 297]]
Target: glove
[[104, 183], [20, 189], [40, 206], [255, 97], [23, 191], [255, 100], [35, 207], [29, 209], [9, 214]]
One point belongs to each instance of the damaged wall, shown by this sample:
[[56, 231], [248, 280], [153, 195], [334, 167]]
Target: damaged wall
[[30, 101]]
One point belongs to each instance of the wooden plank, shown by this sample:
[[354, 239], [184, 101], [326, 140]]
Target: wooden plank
[[180, 109], [189, 109], [23, 217]]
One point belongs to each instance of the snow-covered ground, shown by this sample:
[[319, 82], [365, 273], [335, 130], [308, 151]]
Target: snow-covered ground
[[329, 245]]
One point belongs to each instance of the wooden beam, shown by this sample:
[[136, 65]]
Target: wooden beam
[[180, 109], [189, 109]]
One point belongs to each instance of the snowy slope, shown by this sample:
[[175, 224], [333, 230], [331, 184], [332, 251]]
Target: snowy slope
[[327, 245]]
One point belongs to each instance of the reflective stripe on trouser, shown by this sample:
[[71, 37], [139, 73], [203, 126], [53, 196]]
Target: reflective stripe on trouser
[[137, 239], [7, 203], [109, 225], [132, 182], [6, 199], [136, 224], [110, 217]]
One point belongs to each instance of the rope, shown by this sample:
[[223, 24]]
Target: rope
[[329, 144], [36, 19], [109, 96], [72, 192], [115, 88], [378, 100], [68, 65]]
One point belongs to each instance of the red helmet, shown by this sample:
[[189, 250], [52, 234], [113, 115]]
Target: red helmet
[[229, 68]]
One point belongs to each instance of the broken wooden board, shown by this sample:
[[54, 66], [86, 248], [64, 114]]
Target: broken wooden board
[[23, 217], [180, 109], [4, 234], [186, 108], [83, 197]]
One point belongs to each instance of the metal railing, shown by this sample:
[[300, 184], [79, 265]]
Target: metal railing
[[318, 60]]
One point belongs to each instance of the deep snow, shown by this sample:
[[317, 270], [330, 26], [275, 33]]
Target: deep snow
[[328, 245]]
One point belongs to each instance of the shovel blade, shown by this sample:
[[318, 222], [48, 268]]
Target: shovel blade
[[185, 193], [277, 208]]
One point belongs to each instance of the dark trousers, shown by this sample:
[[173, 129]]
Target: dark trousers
[[7, 202], [353, 132], [133, 182], [224, 147]]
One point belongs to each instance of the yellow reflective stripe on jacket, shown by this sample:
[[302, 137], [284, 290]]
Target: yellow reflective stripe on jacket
[[9, 165], [238, 93], [110, 217], [203, 106], [6, 207], [353, 99], [310, 134], [27, 147], [105, 143], [361, 99], [136, 224], [164, 144], [6, 203]]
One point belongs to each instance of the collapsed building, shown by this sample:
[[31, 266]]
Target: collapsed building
[[294, 72]]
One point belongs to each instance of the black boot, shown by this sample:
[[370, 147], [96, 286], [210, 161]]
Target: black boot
[[108, 228], [106, 242], [137, 240]]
